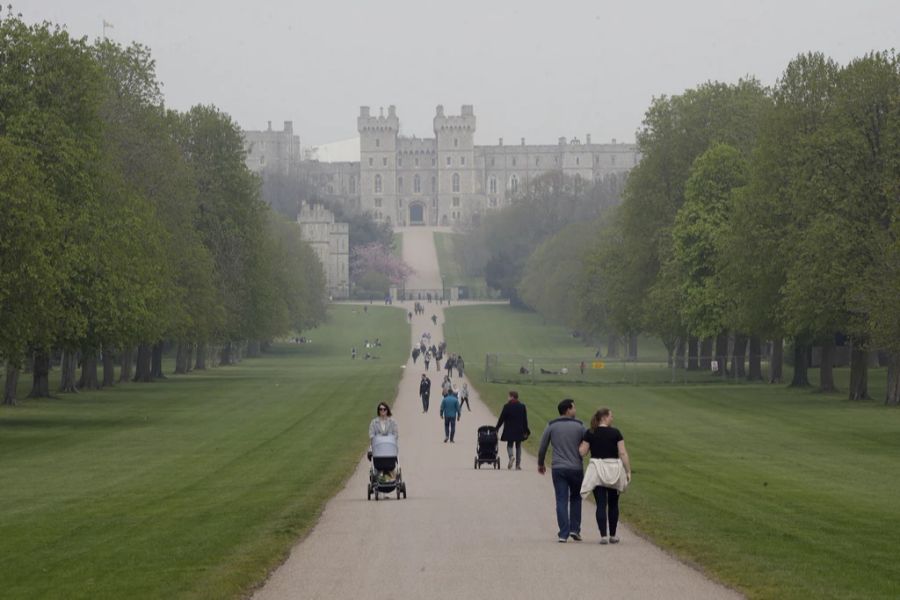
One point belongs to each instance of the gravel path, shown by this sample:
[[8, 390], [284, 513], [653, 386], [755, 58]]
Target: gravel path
[[465, 533]]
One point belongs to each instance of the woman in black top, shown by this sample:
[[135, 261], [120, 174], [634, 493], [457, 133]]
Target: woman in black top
[[514, 420], [604, 441]]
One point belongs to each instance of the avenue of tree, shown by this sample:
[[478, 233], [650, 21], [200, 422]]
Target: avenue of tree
[[755, 215], [127, 227]]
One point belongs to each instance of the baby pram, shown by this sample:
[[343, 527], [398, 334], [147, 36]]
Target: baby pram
[[486, 451], [384, 474]]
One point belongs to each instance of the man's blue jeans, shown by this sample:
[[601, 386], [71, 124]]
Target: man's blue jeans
[[450, 428], [567, 485]]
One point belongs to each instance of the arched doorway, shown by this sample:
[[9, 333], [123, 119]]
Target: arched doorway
[[416, 213]]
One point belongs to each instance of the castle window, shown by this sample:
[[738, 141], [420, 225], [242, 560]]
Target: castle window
[[449, 161], [577, 161], [433, 184], [455, 200], [417, 162], [378, 184], [455, 182], [417, 184], [514, 161], [613, 157], [378, 202], [433, 162], [456, 142], [377, 143], [493, 162], [399, 162], [399, 184], [384, 161], [352, 184], [596, 160], [462, 160], [371, 161], [514, 183], [537, 160], [492, 185]]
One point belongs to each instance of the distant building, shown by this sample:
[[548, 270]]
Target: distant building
[[273, 151], [331, 242], [447, 179]]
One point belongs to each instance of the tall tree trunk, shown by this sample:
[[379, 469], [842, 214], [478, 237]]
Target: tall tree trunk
[[892, 397], [10, 385], [859, 372], [156, 358], [739, 355], [612, 346], [109, 367], [189, 357], [89, 379], [693, 349], [755, 359], [68, 370], [225, 356], [722, 352], [253, 349], [776, 368], [182, 357], [127, 370], [200, 364], [142, 372], [679, 353], [801, 374], [40, 375], [826, 367], [706, 353], [632, 346]]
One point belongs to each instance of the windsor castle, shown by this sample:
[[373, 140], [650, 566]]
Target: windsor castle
[[444, 180]]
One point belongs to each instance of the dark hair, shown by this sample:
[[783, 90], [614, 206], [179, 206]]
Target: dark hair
[[598, 416], [384, 404], [514, 394], [565, 405]]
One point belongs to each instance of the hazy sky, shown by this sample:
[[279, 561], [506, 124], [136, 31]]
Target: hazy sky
[[533, 69]]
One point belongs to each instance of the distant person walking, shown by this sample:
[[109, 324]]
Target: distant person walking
[[460, 365], [353, 352], [514, 420], [427, 359], [434, 319], [450, 413], [464, 397], [415, 353], [565, 434], [608, 473], [425, 391]]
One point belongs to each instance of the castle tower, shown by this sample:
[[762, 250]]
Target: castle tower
[[378, 163], [456, 173]]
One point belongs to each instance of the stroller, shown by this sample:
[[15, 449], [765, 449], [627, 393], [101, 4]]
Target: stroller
[[486, 451], [384, 474]]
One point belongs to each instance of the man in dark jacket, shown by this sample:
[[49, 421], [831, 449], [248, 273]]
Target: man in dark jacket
[[514, 420], [565, 434], [425, 391]]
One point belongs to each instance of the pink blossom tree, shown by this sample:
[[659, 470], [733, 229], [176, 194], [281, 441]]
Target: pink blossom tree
[[376, 258]]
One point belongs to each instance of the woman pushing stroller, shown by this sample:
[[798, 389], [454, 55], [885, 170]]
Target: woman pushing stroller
[[384, 475]]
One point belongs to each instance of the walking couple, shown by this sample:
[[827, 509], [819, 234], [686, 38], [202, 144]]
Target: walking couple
[[609, 470]]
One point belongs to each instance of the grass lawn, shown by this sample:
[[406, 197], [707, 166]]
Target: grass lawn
[[779, 493], [194, 487], [451, 270]]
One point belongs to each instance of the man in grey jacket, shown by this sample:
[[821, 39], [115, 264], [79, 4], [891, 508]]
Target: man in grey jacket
[[565, 434]]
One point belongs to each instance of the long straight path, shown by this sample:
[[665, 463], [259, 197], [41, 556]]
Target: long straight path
[[462, 532]]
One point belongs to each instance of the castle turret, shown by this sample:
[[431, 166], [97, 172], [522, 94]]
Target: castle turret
[[455, 135], [378, 162]]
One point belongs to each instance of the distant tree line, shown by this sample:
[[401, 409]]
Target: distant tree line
[[126, 227], [755, 215]]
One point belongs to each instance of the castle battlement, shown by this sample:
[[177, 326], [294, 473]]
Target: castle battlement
[[367, 122]]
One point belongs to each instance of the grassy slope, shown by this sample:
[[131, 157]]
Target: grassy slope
[[193, 487], [780, 493], [450, 269]]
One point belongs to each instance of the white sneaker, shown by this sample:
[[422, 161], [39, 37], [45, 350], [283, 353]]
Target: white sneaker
[[613, 539], [604, 541]]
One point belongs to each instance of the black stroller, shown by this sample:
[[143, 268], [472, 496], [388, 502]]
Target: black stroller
[[384, 475], [486, 451]]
